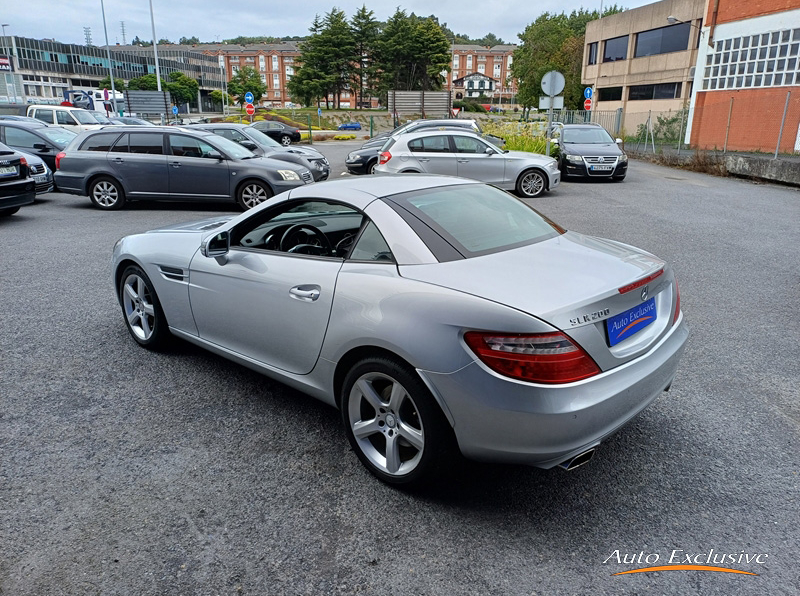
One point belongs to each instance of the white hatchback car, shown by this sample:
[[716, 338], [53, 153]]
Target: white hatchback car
[[75, 119], [464, 154]]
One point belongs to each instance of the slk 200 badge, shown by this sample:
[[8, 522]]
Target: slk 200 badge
[[588, 318]]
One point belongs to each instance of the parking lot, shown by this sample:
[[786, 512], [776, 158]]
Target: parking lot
[[124, 471]]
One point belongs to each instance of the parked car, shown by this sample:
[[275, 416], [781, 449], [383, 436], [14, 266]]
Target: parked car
[[37, 138], [17, 188], [71, 118], [587, 150], [416, 125], [117, 164], [438, 314], [350, 126], [456, 153], [261, 144], [38, 170], [14, 118], [130, 121], [103, 119], [283, 133]]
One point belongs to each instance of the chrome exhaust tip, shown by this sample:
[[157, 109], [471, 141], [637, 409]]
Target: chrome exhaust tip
[[578, 460]]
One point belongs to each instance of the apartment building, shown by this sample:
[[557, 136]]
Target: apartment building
[[643, 60], [477, 65]]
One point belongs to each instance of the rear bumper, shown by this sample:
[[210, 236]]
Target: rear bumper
[[501, 420], [17, 194]]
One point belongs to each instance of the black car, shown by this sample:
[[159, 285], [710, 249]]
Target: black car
[[363, 161], [265, 146], [36, 138], [587, 150], [17, 188], [283, 133]]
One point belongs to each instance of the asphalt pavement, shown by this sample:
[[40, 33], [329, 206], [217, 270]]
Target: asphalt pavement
[[124, 471]]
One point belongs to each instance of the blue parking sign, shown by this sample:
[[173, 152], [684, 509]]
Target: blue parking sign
[[174, 109], [587, 93], [319, 111], [248, 97]]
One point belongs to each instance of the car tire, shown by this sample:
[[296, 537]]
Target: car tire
[[106, 193], [371, 166], [286, 140], [9, 211], [252, 193], [530, 184], [142, 310], [394, 425]]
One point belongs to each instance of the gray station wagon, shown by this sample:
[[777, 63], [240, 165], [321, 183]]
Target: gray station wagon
[[115, 164]]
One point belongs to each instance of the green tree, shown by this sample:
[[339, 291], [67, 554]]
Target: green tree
[[365, 29], [247, 79], [314, 78], [147, 82], [187, 41], [218, 97], [339, 46], [182, 88], [105, 83]]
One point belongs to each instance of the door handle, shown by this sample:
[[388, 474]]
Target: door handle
[[118, 160], [305, 293], [423, 159], [462, 160], [175, 164]]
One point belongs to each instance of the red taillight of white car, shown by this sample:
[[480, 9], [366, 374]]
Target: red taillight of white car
[[677, 302], [58, 159], [385, 157], [539, 358]]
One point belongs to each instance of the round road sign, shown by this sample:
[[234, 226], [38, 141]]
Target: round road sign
[[248, 97], [587, 93], [587, 105], [250, 109], [553, 83]]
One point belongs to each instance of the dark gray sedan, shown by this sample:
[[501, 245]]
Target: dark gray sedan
[[115, 164]]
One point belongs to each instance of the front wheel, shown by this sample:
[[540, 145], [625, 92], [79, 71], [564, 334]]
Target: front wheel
[[106, 193], [394, 425], [286, 140], [142, 311], [531, 184], [252, 193]]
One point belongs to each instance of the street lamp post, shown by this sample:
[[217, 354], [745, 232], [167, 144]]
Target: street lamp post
[[13, 84], [108, 55]]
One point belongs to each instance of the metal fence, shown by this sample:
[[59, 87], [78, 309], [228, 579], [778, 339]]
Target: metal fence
[[610, 120]]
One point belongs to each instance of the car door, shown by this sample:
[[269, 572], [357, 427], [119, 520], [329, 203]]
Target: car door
[[434, 155], [24, 140], [65, 119], [475, 162], [138, 160], [193, 172], [263, 303]]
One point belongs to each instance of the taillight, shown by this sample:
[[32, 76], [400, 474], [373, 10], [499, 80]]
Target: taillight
[[58, 159], [677, 302], [539, 358], [385, 156], [23, 161]]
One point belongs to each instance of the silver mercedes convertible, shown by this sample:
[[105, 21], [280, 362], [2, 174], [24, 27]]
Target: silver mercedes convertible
[[438, 314]]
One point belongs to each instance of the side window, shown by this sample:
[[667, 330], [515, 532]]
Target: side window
[[371, 246], [469, 145], [415, 145], [44, 115], [438, 144], [65, 119], [230, 133], [121, 146], [100, 142], [150, 144], [16, 137], [183, 146]]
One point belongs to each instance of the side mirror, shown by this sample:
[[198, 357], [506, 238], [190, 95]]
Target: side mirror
[[249, 145], [214, 155], [489, 151], [618, 141], [554, 141], [216, 246], [41, 147]]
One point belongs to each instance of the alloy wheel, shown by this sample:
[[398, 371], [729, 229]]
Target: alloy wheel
[[253, 194], [105, 194], [532, 184], [138, 305]]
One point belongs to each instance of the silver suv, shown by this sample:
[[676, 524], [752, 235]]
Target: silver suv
[[115, 164]]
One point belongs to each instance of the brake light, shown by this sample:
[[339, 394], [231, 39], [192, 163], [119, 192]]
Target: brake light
[[58, 159], [641, 282], [538, 358], [385, 156], [23, 161], [677, 302]]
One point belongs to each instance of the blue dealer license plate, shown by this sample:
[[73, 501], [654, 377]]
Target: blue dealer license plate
[[623, 325]]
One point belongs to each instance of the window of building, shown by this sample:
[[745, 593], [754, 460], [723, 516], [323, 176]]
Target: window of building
[[663, 40], [455, 61], [481, 68], [661, 91], [469, 62], [615, 49], [276, 81], [262, 63], [274, 63], [592, 53], [609, 94], [289, 71]]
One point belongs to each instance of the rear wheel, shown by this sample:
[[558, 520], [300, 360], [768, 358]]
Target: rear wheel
[[371, 166], [252, 193], [394, 425], [143, 314], [531, 184], [106, 193], [9, 211], [286, 140]]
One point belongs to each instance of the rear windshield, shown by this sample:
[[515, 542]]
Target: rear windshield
[[586, 136], [478, 219]]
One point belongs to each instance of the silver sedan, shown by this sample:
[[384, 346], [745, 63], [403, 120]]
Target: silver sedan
[[438, 314], [455, 153]]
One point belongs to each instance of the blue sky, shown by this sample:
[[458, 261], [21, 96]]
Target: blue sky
[[212, 19]]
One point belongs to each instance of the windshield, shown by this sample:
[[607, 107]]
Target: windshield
[[262, 139], [102, 118], [59, 136], [83, 117], [586, 136], [234, 150], [478, 219]]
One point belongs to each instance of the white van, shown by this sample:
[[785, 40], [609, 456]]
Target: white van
[[74, 119]]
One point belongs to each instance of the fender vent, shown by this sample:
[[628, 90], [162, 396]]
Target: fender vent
[[173, 273]]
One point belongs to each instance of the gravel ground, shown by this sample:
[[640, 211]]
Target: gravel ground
[[128, 472]]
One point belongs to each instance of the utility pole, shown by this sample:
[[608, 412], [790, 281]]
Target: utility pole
[[87, 34], [110, 64], [122, 26]]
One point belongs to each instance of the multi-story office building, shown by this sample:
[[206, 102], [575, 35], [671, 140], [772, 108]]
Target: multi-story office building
[[39, 71], [642, 61]]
